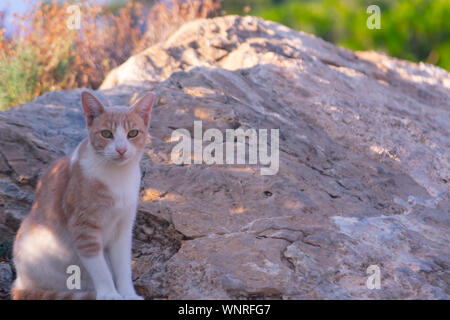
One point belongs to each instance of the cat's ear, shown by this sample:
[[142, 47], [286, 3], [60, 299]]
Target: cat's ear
[[144, 107], [91, 106]]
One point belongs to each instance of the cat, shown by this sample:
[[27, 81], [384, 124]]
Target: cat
[[84, 210]]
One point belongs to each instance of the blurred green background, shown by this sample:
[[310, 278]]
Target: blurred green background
[[415, 30]]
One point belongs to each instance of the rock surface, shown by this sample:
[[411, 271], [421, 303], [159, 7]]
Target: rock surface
[[363, 178]]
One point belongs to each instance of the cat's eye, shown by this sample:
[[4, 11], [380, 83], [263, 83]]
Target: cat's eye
[[106, 134], [132, 133]]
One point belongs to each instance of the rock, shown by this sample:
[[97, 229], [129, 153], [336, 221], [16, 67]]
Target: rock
[[363, 175], [6, 278]]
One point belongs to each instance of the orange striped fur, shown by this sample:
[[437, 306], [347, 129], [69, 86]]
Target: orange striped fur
[[18, 294]]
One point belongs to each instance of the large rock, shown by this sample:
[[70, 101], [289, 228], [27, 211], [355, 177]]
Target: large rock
[[363, 178]]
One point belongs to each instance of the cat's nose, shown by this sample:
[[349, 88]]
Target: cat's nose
[[121, 150]]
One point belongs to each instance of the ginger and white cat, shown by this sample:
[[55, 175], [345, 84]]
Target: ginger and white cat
[[84, 210]]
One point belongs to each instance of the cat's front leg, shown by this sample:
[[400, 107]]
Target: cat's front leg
[[89, 248], [101, 277], [120, 257]]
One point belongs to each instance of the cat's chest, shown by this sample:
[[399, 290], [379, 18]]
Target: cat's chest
[[125, 196], [123, 189]]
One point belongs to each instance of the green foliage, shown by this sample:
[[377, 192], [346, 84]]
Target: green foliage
[[19, 78], [416, 30]]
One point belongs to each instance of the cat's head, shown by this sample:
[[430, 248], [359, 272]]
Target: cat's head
[[117, 133]]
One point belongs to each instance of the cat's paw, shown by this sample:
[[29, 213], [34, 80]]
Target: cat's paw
[[132, 297], [109, 296]]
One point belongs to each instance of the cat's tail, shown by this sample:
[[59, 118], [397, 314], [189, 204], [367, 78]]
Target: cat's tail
[[38, 294]]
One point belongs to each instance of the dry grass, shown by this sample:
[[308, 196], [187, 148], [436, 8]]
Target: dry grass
[[45, 55]]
